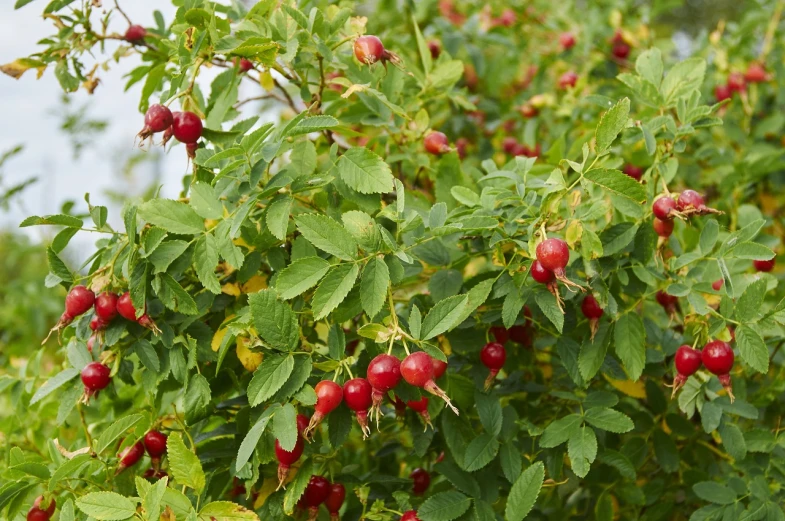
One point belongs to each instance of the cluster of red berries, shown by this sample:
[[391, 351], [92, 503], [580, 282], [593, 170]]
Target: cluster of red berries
[[185, 126], [511, 146], [320, 491], [552, 257], [737, 82], [665, 208], [154, 442], [718, 358], [36, 513]]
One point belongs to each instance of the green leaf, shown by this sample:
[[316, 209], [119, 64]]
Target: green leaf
[[69, 468], [275, 321], [60, 219], [480, 451], [709, 235], [422, 47], [510, 460], [682, 79], [751, 251], [58, 267], [183, 464], [524, 492], [117, 429], [204, 201], [175, 297], [592, 356], [749, 304], [172, 216], [166, 253], [248, 444], [106, 506], [618, 461], [443, 316], [490, 411], [295, 489], [752, 347], [226, 511], [205, 261], [444, 506], [312, 124], [630, 340], [733, 440], [611, 123], [460, 479], [197, 399], [269, 377], [649, 66], [365, 172], [617, 183], [151, 502], [582, 449], [714, 493], [665, 451], [300, 276], [285, 427], [54, 383], [333, 289], [560, 431], [609, 420], [374, 284], [277, 216], [327, 235], [546, 301]]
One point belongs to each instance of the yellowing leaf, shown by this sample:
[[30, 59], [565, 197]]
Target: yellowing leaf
[[266, 80], [250, 359], [232, 289], [219, 335], [268, 487], [629, 387], [254, 284]]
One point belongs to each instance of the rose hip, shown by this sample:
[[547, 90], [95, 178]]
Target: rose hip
[[718, 358], [567, 41], [127, 310], [95, 377], [633, 171], [568, 80], [421, 407], [78, 301], [316, 492], [421, 479], [410, 515], [492, 356], [130, 456], [155, 443], [335, 500], [357, 394], [287, 458], [187, 127], [436, 143], [541, 274], [664, 208], [764, 265], [417, 370], [106, 306], [328, 396], [663, 228], [369, 50], [157, 119], [384, 373], [135, 34], [687, 361]]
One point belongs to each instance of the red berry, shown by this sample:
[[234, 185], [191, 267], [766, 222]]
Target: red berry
[[384, 373], [36, 513], [187, 127], [540, 274], [439, 368], [591, 308], [328, 396], [135, 34], [79, 300], [157, 119], [633, 171], [621, 50], [663, 207], [663, 228], [368, 49], [764, 265], [436, 143], [722, 92], [507, 18], [302, 423], [509, 145], [95, 377], [422, 480], [126, 309], [690, 199], [435, 48], [316, 492], [106, 306], [736, 82], [410, 515], [151, 473], [492, 356], [357, 393], [755, 73], [717, 284], [669, 302], [287, 458], [190, 149], [335, 499], [419, 406], [521, 335], [500, 333], [718, 358], [130, 456], [553, 254], [245, 65], [687, 361], [461, 145], [567, 41], [417, 370], [96, 323], [568, 80], [155, 443]]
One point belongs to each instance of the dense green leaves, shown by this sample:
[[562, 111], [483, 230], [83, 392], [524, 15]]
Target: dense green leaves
[[524, 493]]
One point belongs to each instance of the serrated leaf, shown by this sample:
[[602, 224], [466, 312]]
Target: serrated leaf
[[277, 216], [630, 341], [524, 492], [749, 304], [300, 276], [444, 506], [183, 464], [269, 377], [172, 216], [752, 348], [609, 420], [333, 289], [559, 431], [285, 427], [365, 172], [106, 506], [443, 316], [59, 219], [312, 124], [205, 261], [295, 489], [114, 431], [226, 511], [204, 201], [480, 452], [374, 284], [611, 123], [274, 319], [54, 383], [714, 492], [250, 440], [550, 308], [582, 449], [617, 183], [327, 235]]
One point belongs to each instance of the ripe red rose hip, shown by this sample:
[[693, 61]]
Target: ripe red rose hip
[[328, 396], [106, 306], [541, 274], [335, 500], [553, 254], [568, 80], [417, 370], [410, 515], [245, 65], [157, 119], [36, 513], [633, 171], [384, 373], [664, 208], [567, 41], [663, 228], [127, 310], [736, 82], [155, 443], [439, 368], [79, 300], [764, 265], [492, 356], [357, 393], [500, 333], [436, 143], [316, 492], [718, 358], [668, 302], [187, 127], [755, 73], [717, 284], [421, 407], [722, 92], [130, 456], [621, 50], [421, 479], [95, 377], [591, 308], [521, 334], [435, 48], [135, 34], [287, 458], [690, 199], [368, 49], [687, 362]]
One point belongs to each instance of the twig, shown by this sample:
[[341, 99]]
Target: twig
[[117, 6]]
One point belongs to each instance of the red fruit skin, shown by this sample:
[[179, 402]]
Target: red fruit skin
[[736, 82], [764, 265], [317, 491], [690, 199], [245, 65], [621, 50], [541, 274], [717, 284], [435, 48], [420, 405], [96, 324], [633, 171], [755, 73], [553, 254], [357, 393], [384, 373], [722, 92], [436, 143], [157, 119], [78, 301], [500, 334], [335, 499], [417, 369], [130, 456], [509, 145], [461, 145], [507, 18], [36, 514], [521, 335], [187, 127], [410, 515], [665, 300], [687, 360], [567, 41], [663, 207], [302, 423], [568, 80], [135, 34], [368, 49], [663, 228], [95, 377], [439, 368], [288, 458], [422, 480], [328, 396], [493, 356], [126, 308], [718, 357], [106, 306], [155, 443], [190, 149], [591, 308], [50, 510]]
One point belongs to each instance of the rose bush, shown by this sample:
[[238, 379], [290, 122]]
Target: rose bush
[[491, 238]]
